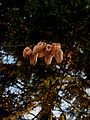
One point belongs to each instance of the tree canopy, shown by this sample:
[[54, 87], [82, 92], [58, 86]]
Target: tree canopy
[[59, 91]]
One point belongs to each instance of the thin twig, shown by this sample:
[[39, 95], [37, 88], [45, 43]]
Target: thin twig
[[70, 103]]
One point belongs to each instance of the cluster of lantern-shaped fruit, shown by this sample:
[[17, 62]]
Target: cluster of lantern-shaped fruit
[[44, 50]]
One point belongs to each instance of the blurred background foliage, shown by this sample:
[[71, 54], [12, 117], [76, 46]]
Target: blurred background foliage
[[60, 91]]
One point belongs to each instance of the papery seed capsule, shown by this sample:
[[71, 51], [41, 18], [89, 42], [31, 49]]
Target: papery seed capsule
[[33, 58], [48, 56], [26, 52], [58, 56], [57, 52], [39, 47]]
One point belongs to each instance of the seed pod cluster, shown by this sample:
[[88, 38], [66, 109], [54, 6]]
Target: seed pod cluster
[[47, 51]]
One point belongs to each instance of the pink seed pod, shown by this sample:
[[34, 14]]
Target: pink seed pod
[[26, 52], [48, 56], [48, 59], [33, 58], [57, 52], [58, 56], [55, 47], [39, 47]]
